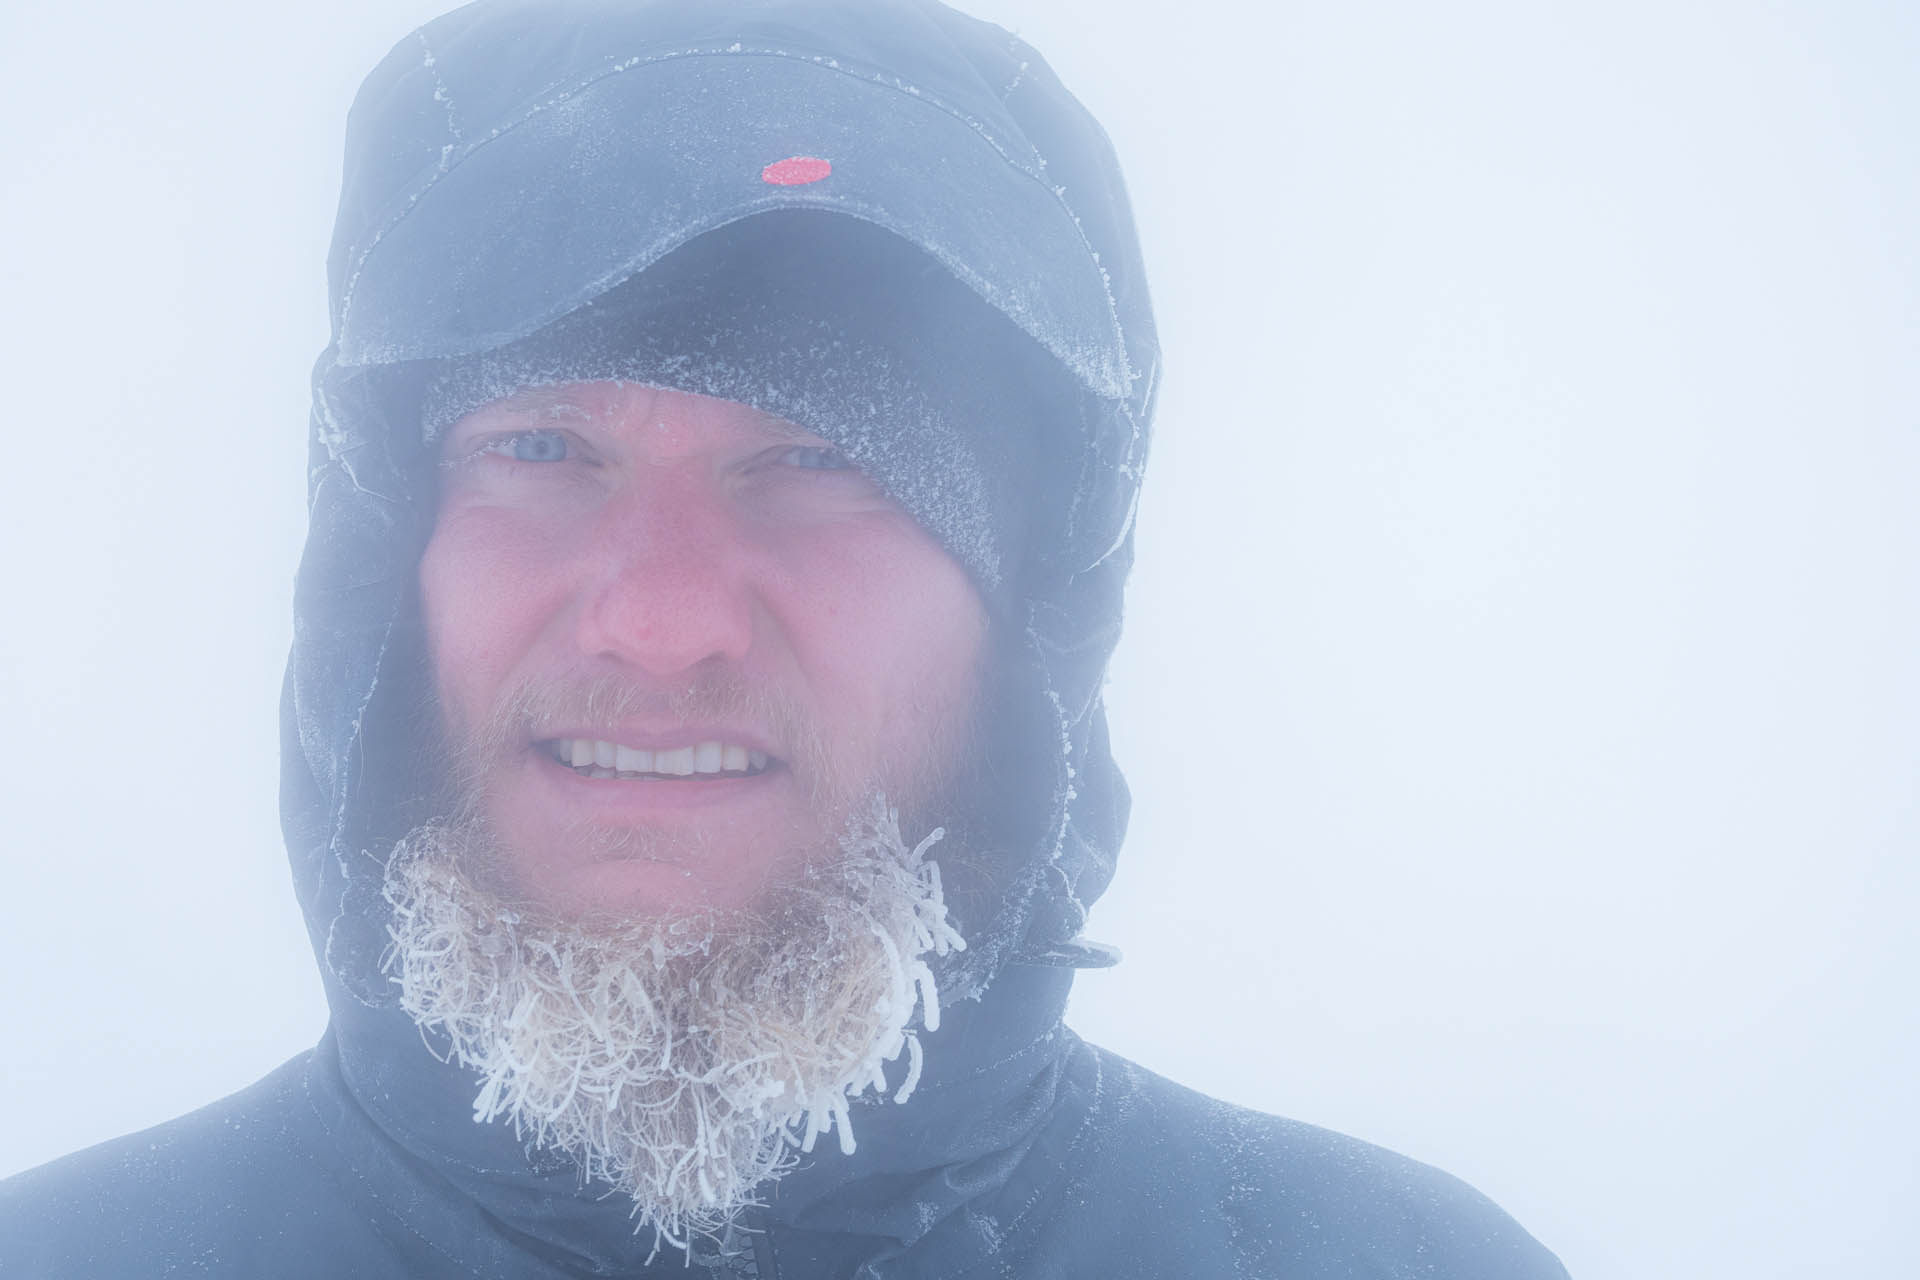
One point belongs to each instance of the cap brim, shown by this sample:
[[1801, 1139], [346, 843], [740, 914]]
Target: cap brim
[[593, 186]]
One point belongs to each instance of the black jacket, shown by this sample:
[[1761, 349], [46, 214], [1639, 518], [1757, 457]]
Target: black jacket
[[508, 166]]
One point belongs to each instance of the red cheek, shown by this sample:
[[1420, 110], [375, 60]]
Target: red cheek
[[485, 578]]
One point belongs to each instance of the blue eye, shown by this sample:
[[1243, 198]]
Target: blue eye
[[531, 446], [816, 458]]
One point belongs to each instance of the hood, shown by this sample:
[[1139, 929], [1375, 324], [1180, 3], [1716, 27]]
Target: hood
[[512, 166]]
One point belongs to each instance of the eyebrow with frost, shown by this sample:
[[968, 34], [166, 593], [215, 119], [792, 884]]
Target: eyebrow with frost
[[562, 401]]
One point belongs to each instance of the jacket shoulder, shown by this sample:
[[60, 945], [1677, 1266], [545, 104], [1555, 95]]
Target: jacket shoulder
[[236, 1188], [1184, 1184]]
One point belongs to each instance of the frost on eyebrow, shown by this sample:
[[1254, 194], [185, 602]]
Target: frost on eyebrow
[[782, 431], [544, 402]]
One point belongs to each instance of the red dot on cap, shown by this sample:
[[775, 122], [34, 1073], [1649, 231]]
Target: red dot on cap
[[796, 171]]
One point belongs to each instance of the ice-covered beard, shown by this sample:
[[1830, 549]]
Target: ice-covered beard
[[684, 1057]]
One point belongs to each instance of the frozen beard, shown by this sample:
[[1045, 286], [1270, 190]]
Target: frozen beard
[[683, 1057]]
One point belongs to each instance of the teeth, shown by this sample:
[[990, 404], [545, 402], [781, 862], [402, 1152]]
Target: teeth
[[597, 758]]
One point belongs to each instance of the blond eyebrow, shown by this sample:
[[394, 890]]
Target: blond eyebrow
[[551, 397], [785, 430], [528, 399]]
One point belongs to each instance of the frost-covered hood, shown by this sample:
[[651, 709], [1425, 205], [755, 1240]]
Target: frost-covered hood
[[513, 163]]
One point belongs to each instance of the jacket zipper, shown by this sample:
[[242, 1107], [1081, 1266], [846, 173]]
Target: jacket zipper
[[745, 1253]]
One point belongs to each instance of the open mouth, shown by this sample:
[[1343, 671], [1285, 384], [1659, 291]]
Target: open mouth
[[593, 758]]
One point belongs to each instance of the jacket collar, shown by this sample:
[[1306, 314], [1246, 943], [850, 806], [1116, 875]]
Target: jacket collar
[[475, 1194]]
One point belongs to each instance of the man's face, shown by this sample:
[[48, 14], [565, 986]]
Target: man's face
[[676, 640]]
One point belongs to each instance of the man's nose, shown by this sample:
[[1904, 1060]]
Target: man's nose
[[668, 578]]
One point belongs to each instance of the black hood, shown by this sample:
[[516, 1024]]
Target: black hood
[[513, 167]]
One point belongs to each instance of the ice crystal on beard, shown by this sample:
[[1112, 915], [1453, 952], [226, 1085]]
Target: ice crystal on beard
[[683, 1060]]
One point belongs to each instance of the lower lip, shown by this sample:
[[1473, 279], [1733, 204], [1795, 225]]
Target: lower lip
[[654, 795]]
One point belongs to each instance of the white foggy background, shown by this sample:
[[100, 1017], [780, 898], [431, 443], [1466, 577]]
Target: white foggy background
[[1519, 687]]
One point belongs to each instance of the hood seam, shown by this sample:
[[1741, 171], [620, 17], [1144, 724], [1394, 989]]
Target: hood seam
[[360, 1177], [441, 94], [1022, 1224]]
